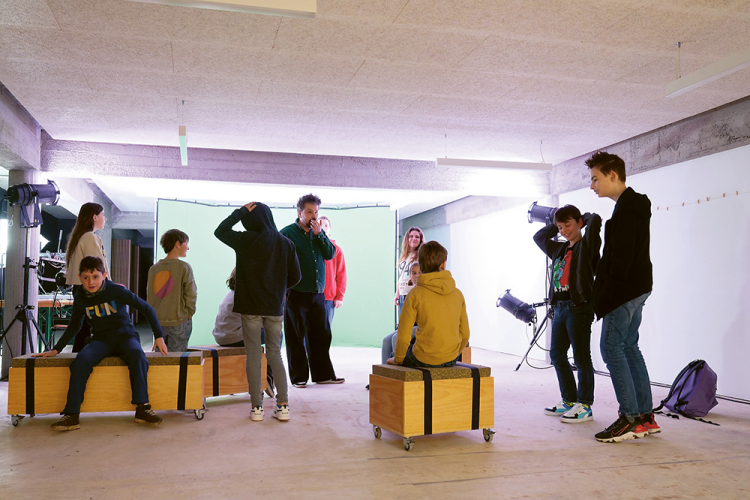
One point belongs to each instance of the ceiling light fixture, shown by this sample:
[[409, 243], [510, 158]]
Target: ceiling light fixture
[[735, 62], [512, 165], [290, 8], [183, 145]]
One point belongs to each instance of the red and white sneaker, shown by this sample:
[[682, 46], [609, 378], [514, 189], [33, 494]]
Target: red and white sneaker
[[648, 421]]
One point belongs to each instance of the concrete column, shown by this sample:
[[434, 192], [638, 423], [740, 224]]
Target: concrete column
[[14, 273]]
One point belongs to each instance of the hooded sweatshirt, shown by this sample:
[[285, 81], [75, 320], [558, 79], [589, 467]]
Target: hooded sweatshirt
[[439, 309], [171, 291], [625, 270], [266, 261]]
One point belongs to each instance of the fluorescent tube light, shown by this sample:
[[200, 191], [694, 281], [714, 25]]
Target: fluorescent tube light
[[719, 69], [289, 8], [183, 145], [514, 165]]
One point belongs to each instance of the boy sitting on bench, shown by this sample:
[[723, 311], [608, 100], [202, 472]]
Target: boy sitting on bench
[[103, 303], [439, 309]]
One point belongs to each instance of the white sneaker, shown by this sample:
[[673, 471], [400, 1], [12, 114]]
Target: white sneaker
[[281, 413], [256, 414], [578, 413]]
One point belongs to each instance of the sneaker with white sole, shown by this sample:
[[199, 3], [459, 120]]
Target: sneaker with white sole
[[559, 409], [256, 414], [580, 412], [281, 413]]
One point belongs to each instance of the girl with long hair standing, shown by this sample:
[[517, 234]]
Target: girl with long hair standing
[[413, 241], [82, 242]]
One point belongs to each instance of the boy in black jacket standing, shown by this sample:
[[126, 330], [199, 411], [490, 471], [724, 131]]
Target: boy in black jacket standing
[[623, 283], [574, 265], [266, 267]]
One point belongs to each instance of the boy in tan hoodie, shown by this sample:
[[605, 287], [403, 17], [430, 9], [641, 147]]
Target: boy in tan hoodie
[[439, 309]]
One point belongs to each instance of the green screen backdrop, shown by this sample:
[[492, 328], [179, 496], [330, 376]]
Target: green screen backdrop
[[367, 236]]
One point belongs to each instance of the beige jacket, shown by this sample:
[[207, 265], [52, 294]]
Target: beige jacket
[[89, 245]]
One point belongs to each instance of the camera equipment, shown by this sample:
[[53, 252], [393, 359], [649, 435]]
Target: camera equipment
[[29, 197], [538, 213], [526, 313]]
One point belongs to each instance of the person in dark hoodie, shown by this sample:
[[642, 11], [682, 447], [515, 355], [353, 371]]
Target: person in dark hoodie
[[623, 283], [267, 266], [574, 264]]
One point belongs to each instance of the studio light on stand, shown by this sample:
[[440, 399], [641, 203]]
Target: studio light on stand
[[526, 313], [538, 213], [29, 198]]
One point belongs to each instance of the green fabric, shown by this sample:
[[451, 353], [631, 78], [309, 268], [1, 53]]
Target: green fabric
[[312, 252]]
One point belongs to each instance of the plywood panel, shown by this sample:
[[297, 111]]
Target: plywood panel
[[232, 375]]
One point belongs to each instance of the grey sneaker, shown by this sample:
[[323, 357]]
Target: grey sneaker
[[333, 381]]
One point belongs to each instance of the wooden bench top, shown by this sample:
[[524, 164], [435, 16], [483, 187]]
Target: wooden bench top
[[405, 374], [66, 358], [220, 350]]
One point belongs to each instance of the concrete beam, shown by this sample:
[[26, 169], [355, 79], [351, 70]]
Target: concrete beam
[[139, 221], [20, 134], [468, 208], [714, 131], [83, 159]]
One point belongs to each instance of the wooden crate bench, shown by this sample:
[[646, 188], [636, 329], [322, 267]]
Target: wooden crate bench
[[224, 370], [409, 403], [40, 385]]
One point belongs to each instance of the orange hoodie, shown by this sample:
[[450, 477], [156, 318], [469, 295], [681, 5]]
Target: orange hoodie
[[439, 309]]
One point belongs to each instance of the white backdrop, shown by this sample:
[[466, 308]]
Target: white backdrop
[[700, 306]]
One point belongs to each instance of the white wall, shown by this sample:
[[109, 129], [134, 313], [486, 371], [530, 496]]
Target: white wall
[[700, 306], [488, 255]]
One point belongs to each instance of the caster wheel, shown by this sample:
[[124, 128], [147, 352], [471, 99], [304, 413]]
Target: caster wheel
[[408, 444], [15, 420], [199, 414], [488, 434], [376, 430]]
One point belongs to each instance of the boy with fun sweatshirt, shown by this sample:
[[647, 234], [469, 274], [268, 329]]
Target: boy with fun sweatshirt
[[439, 309]]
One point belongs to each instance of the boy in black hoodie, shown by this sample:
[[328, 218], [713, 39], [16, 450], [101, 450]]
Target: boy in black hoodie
[[574, 265], [266, 267], [623, 283], [104, 303]]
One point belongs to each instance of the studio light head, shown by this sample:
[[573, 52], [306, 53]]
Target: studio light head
[[26, 194], [518, 308], [538, 213]]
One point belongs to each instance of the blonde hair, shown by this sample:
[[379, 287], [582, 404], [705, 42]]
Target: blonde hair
[[406, 249]]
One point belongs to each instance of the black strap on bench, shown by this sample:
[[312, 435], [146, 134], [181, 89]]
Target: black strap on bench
[[476, 385], [182, 385], [215, 357], [427, 377], [30, 385]]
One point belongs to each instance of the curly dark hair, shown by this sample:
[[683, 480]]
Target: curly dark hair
[[308, 198], [169, 238], [606, 163]]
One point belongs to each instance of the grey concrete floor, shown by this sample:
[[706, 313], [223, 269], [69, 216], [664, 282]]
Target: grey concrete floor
[[328, 451]]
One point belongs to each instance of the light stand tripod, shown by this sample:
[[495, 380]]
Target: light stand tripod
[[538, 330], [25, 314]]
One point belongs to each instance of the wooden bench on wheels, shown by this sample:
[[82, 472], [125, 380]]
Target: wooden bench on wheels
[[224, 370], [40, 385], [416, 402]]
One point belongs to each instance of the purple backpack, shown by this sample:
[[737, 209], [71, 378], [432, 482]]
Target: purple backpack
[[693, 392]]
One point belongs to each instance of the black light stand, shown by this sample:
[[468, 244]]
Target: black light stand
[[25, 314], [538, 330]]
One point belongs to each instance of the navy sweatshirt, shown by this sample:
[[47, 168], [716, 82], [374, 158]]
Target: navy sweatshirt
[[266, 261], [107, 314]]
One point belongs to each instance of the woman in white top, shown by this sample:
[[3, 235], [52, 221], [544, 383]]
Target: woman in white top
[[82, 242], [413, 241]]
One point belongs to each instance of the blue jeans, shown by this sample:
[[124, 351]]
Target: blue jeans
[[619, 345], [330, 309], [129, 350], [389, 345], [412, 361], [178, 336], [571, 326]]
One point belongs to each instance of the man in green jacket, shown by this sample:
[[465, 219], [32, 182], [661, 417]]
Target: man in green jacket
[[308, 334]]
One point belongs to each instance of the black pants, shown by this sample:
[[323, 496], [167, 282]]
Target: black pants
[[85, 332], [308, 338]]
